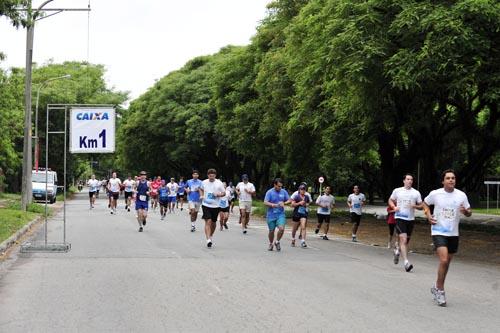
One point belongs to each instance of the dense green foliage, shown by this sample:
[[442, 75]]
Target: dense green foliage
[[358, 91]]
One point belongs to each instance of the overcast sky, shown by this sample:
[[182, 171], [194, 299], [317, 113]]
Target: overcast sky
[[138, 41]]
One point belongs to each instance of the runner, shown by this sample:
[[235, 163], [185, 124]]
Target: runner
[[181, 193], [211, 191], [114, 190], [245, 191], [355, 201], [233, 196], [391, 222], [448, 203], [193, 190], [404, 200], [163, 192], [326, 203], [155, 185], [129, 192], [224, 207], [173, 187], [300, 201], [142, 198], [276, 198], [93, 185], [99, 185], [310, 200]]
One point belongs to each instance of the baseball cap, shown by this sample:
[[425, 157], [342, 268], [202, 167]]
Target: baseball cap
[[302, 187], [244, 176]]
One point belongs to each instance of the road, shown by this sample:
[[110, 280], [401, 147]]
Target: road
[[116, 279]]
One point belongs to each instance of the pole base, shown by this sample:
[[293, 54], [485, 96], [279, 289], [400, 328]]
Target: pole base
[[49, 247]]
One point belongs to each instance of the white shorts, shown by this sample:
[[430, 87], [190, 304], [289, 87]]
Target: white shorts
[[194, 205], [245, 205]]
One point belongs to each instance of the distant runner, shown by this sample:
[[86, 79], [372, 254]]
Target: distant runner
[[356, 201], [245, 191], [142, 198], [449, 203], [129, 191], [163, 198], [155, 185], [300, 201], [114, 189], [224, 207], [181, 193], [276, 198], [93, 185], [172, 194], [326, 203], [194, 202], [211, 191]]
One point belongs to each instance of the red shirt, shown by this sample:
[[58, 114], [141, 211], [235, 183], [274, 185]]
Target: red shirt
[[390, 216]]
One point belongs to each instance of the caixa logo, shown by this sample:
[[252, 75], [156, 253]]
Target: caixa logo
[[92, 116]]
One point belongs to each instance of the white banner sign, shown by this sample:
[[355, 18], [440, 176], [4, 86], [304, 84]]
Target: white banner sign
[[92, 130]]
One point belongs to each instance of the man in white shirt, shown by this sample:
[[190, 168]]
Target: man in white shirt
[[93, 185], [129, 184], [448, 203], [355, 201], [325, 203], [114, 190], [404, 200], [211, 191], [245, 191], [173, 187]]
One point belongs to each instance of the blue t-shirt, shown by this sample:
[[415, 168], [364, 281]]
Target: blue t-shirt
[[194, 186], [182, 187], [276, 197], [163, 192]]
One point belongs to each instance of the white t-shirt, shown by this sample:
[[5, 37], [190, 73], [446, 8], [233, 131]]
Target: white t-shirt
[[325, 200], [224, 201], [446, 210], [405, 198], [172, 189], [209, 190], [356, 201], [93, 185], [129, 185], [114, 184], [244, 195]]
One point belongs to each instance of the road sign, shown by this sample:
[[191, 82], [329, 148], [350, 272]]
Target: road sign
[[92, 130], [321, 180]]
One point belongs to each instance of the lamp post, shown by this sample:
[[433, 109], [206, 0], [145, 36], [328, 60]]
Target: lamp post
[[40, 86]]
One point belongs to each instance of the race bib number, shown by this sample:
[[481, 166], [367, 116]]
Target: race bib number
[[302, 210], [142, 198], [448, 213], [356, 205], [223, 203], [323, 210]]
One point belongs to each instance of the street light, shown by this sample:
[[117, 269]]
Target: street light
[[43, 84]]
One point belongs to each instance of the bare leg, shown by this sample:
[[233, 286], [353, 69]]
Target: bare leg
[[444, 264]]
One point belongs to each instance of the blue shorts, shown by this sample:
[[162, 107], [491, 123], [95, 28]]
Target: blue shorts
[[141, 205], [172, 199], [276, 222]]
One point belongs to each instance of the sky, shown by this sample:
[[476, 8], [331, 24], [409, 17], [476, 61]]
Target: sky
[[137, 41]]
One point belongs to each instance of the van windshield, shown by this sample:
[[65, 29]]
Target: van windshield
[[40, 177]]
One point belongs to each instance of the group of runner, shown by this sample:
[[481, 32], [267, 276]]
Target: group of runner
[[216, 199]]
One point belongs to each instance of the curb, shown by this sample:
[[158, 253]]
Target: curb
[[12, 240]]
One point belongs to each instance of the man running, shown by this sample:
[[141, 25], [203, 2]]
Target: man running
[[211, 191], [142, 198], [300, 202], [172, 194], [404, 200], [193, 190], [93, 185], [163, 192], [114, 189], [224, 207], [355, 201], [276, 198], [99, 184], [449, 203], [245, 191], [129, 191], [181, 192], [326, 203]]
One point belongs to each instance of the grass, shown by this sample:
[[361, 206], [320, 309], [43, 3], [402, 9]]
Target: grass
[[491, 211]]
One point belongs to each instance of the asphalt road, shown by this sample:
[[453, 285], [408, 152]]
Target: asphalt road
[[116, 279]]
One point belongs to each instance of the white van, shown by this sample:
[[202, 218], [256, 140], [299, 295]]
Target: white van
[[38, 185]]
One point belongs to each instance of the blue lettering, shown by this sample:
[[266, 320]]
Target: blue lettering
[[83, 142], [92, 116]]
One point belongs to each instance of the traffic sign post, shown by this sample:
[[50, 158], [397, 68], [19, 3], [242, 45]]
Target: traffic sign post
[[321, 180]]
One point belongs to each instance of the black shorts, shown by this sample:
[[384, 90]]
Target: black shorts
[[91, 194], [404, 227], [355, 218], [210, 213], [115, 195], [451, 242], [225, 210], [179, 196], [323, 218], [297, 216], [128, 194], [163, 203]]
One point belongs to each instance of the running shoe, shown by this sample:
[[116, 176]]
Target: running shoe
[[144, 222], [128, 209], [325, 237], [440, 297], [209, 243], [434, 292], [354, 239], [303, 244], [193, 229], [111, 212], [396, 256], [225, 226], [162, 218], [316, 231], [140, 229], [278, 246], [388, 245], [270, 247], [245, 231], [409, 267], [293, 242]]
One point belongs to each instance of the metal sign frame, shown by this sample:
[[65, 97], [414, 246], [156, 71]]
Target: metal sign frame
[[488, 183], [64, 246]]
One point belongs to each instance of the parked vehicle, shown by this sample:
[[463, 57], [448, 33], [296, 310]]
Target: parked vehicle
[[41, 180]]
